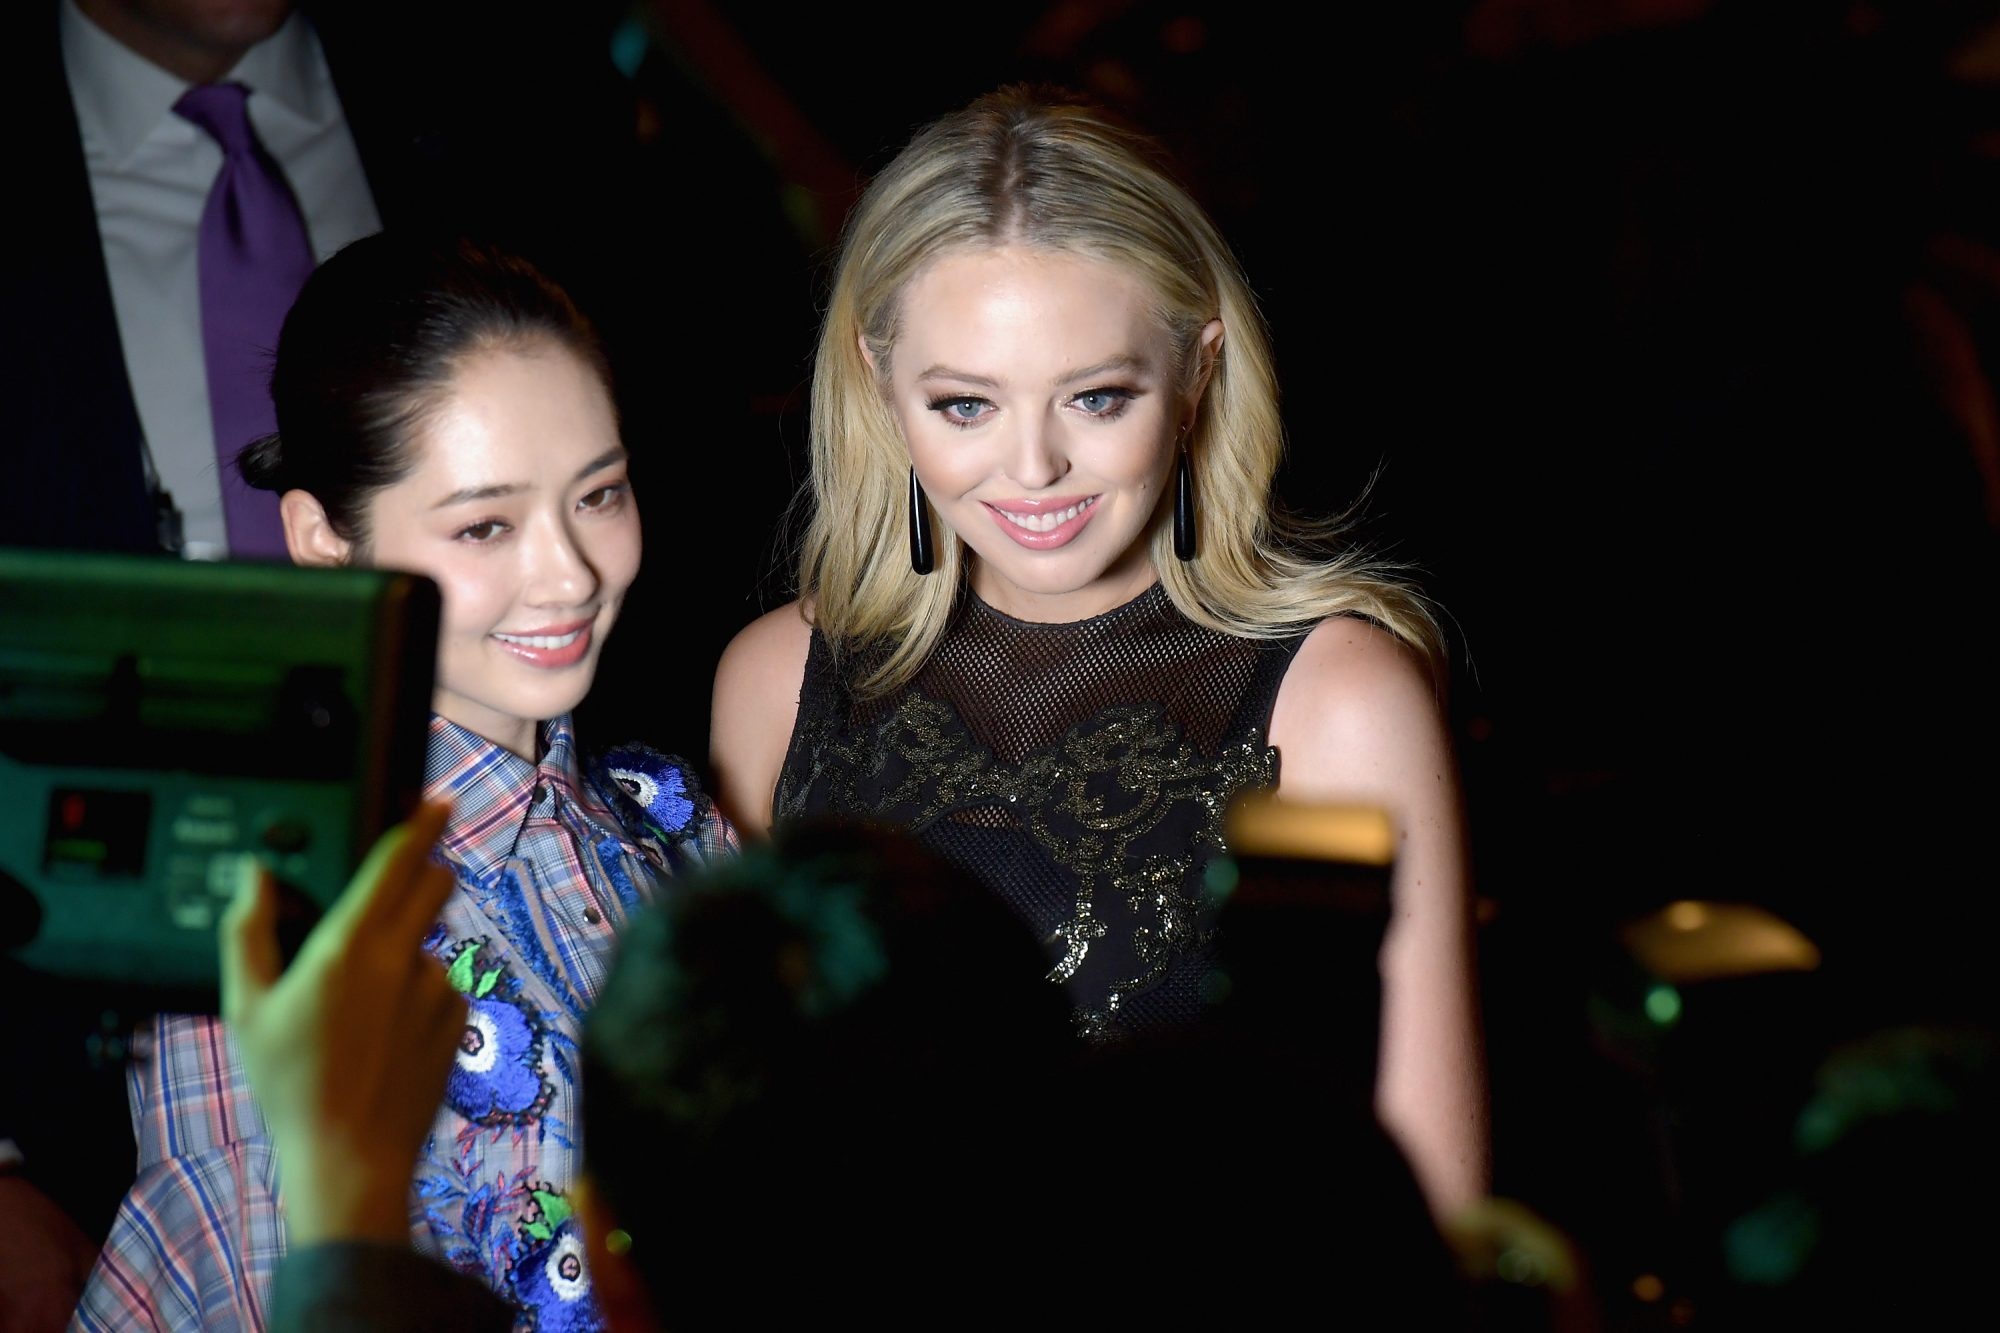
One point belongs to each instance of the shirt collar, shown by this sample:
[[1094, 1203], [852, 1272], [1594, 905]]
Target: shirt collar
[[288, 69], [120, 95], [493, 792]]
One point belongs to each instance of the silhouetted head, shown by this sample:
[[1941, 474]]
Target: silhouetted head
[[826, 1050]]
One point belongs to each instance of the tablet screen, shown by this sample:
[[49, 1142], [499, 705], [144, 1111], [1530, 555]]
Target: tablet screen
[[161, 718]]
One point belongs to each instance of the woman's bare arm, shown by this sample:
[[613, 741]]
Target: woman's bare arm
[[1357, 720]]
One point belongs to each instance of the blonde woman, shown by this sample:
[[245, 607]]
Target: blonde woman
[[1049, 618]]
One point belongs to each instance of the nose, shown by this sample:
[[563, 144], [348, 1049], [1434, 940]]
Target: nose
[[1039, 458], [560, 573]]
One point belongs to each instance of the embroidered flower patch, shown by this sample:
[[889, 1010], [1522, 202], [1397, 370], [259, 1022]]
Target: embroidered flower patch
[[497, 1078], [656, 784], [550, 1278]]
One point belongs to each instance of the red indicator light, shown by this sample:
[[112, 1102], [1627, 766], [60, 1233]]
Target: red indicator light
[[73, 811]]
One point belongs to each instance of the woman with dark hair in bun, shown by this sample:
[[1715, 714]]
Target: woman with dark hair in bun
[[443, 408]]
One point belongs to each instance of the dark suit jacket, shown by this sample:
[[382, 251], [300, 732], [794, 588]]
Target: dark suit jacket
[[72, 470]]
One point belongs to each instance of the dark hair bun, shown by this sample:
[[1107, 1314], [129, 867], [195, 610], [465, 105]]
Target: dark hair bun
[[262, 463]]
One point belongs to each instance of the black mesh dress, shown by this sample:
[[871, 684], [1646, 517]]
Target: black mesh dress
[[1080, 770]]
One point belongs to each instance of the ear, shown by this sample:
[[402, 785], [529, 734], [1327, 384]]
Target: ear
[[621, 1292], [1208, 350], [861, 341], [308, 535]]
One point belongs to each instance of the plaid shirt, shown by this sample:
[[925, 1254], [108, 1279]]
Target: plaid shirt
[[550, 860]]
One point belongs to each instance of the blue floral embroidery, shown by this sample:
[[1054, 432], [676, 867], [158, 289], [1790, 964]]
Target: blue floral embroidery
[[549, 1278], [657, 786], [497, 1078], [469, 1214]]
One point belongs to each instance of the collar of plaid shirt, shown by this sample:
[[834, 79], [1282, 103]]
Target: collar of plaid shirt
[[493, 790]]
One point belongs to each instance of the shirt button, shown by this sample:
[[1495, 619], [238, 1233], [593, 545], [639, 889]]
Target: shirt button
[[592, 915]]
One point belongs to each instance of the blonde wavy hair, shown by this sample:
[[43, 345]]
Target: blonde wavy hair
[[1041, 169]]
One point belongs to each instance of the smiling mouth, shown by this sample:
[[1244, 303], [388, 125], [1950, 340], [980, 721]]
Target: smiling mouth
[[554, 646], [1047, 521], [541, 640]]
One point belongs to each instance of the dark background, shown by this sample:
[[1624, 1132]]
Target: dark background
[[1667, 331]]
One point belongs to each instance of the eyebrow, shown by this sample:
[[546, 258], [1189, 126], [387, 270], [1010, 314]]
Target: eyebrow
[[1123, 361], [470, 493]]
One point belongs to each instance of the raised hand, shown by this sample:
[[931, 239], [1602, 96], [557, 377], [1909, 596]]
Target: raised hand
[[348, 1048]]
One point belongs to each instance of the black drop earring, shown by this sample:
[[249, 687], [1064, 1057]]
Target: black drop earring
[[920, 528], [1184, 507]]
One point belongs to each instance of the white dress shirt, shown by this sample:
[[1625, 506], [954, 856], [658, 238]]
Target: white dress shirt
[[150, 174]]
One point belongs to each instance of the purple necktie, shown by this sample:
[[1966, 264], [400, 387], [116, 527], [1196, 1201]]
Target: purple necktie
[[254, 258]]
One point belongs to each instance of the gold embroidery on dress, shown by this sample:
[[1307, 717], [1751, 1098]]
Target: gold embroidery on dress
[[1085, 802]]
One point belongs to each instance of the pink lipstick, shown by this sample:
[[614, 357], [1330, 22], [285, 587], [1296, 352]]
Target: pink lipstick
[[552, 647], [1044, 525]]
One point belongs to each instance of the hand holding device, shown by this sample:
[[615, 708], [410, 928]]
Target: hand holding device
[[348, 1048]]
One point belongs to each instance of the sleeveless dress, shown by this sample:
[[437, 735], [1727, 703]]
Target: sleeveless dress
[[1081, 771]]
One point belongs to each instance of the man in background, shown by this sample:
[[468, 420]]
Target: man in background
[[151, 137]]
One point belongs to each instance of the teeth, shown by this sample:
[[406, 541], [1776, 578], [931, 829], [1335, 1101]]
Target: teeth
[[1047, 522], [540, 640]]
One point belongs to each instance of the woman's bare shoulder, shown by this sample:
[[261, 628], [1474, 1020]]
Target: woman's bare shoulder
[[754, 708], [776, 641], [1357, 700], [1349, 662]]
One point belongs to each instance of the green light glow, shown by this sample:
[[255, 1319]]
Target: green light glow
[[1663, 1004]]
